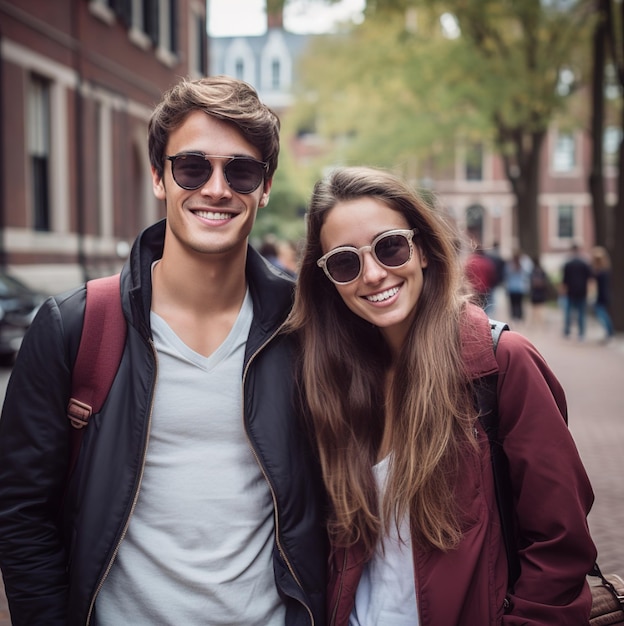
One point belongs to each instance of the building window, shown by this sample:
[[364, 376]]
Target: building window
[[103, 9], [474, 222], [138, 15], [611, 145], [166, 30], [239, 69], [565, 221], [474, 162], [39, 150], [199, 43], [275, 74], [151, 20], [564, 155]]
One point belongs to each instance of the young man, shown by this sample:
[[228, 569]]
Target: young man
[[577, 273], [195, 499]]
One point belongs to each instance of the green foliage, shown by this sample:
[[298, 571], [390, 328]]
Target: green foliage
[[283, 216], [397, 91], [376, 93]]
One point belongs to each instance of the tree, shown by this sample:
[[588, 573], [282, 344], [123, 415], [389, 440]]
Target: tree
[[596, 174], [527, 46], [612, 24], [500, 79]]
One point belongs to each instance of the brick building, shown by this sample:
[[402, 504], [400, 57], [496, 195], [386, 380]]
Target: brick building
[[78, 81]]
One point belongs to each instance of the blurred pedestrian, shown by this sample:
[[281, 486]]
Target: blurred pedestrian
[[391, 353], [195, 498], [268, 249], [287, 255], [601, 268], [574, 282], [540, 291], [480, 271], [516, 285], [280, 254], [494, 253]]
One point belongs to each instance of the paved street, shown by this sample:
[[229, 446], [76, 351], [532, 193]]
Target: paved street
[[593, 377]]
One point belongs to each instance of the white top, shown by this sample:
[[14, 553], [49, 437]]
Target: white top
[[386, 595], [199, 544]]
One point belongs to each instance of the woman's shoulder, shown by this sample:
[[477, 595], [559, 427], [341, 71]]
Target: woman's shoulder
[[476, 342]]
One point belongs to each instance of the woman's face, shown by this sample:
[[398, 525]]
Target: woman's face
[[384, 296]]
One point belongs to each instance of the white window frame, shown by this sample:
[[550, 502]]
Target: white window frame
[[560, 153]]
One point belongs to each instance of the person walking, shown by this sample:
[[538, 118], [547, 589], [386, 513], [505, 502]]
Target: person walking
[[540, 291], [195, 497], [391, 351], [480, 272], [575, 278], [516, 285], [601, 272], [494, 253]]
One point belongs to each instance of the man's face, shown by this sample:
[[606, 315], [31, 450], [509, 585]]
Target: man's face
[[214, 218]]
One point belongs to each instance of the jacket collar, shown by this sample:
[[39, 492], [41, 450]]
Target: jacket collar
[[271, 289]]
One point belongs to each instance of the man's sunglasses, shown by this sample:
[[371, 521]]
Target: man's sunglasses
[[192, 170], [391, 249]]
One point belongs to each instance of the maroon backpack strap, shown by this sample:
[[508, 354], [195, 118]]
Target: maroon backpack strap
[[99, 354]]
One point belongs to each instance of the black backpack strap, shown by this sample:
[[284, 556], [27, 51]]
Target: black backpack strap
[[487, 401]]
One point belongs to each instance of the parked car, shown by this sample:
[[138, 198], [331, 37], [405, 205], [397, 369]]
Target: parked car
[[18, 306]]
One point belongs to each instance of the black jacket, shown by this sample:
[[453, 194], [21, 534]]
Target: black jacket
[[58, 538]]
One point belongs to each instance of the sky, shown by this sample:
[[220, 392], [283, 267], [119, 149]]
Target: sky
[[227, 18]]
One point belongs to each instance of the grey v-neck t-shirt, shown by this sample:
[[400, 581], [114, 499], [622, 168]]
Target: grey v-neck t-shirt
[[199, 543]]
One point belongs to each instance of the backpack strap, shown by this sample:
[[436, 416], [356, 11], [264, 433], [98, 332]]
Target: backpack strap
[[487, 401], [99, 354]]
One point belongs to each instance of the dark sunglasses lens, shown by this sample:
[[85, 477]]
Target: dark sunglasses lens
[[191, 172], [244, 175], [393, 250], [343, 266]]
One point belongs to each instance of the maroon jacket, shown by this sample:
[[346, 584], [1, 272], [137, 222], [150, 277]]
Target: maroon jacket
[[552, 496]]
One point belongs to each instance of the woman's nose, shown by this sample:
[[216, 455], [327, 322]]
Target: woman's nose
[[372, 270]]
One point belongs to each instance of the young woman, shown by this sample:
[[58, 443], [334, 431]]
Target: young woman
[[389, 351]]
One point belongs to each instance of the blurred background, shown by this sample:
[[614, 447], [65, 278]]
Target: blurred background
[[506, 116]]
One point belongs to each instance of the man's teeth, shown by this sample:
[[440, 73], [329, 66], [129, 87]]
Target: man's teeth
[[212, 215], [384, 295]]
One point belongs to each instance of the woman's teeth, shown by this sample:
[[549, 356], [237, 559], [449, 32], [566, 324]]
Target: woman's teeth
[[384, 295]]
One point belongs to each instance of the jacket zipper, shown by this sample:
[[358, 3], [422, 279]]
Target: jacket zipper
[[266, 478], [332, 620], [136, 493]]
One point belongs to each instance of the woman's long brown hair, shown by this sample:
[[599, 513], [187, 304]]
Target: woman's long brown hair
[[344, 360]]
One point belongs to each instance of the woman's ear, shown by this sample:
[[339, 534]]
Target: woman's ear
[[423, 257]]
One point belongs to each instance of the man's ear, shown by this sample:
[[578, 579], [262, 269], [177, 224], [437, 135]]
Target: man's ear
[[158, 185], [264, 199]]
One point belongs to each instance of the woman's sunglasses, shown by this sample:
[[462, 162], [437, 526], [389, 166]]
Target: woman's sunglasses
[[192, 170], [391, 249]]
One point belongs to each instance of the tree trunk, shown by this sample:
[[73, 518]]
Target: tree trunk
[[596, 176], [523, 172], [617, 250]]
